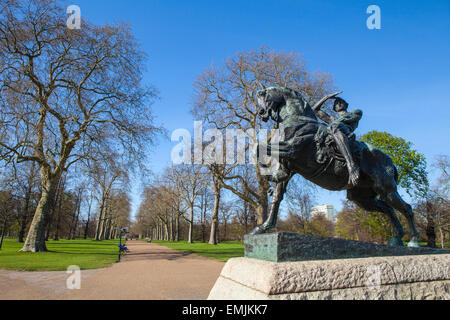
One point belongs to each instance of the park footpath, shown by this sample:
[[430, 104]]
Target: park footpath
[[148, 272]]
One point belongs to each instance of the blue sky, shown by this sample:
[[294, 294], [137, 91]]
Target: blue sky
[[399, 75]]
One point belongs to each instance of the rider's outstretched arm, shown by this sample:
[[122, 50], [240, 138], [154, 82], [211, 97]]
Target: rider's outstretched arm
[[319, 104], [322, 115]]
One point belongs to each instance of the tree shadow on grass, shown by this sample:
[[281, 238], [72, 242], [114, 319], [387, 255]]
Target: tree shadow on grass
[[84, 253], [162, 255], [65, 243]]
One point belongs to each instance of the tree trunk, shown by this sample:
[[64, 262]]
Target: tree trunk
[[252, 217], [50, 222], [171, 231], [51, 217], [430, 231], [263, 201], [245, 218], [3, 233], [75, 229], [191, 225], [104, 222], [111, 231], [105, 235], [158, 231], [225, 231], [177, 228], [24, 217], [59, 201], [215, 218], [23, 225], [203, 216], [86, 229], [99, 223], [35, 241], [166, 231], [74, 223], [26, 209], [100, 218], [442, 238], [58, 219], [261, 212], [103, 227]]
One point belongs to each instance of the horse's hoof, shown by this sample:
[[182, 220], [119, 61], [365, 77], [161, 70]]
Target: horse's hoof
[[257, 230], [396, 242], [413, 244]]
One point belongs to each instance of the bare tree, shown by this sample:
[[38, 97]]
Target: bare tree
[[160, 212], [66, 94], [433, 207], [204, 206], [23, 182], [441, 191], [226, 212], [225, 99], [7, 212], [106, 176], [301, 197], [214, 183], [73, 227], [58, 208], [89, 204], [188, 181], [442, 163], [119, 214]]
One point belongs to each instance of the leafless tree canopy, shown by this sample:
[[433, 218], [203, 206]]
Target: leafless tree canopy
[[68, 95], [224, 98]]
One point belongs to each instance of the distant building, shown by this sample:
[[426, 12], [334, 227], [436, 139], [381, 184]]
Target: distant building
[[327, 210]]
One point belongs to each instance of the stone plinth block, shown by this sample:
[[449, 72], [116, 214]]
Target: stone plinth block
[[284, 247], [300, 267], [382, 278]]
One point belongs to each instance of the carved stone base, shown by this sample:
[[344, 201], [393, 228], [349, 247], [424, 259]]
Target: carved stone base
[[382, 278], [298, 267]]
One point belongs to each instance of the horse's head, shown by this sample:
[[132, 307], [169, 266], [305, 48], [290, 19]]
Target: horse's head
[[269, 101]]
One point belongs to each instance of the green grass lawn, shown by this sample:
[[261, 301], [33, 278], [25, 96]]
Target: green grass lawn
[[438, 245], [87, 254], [222, 252]]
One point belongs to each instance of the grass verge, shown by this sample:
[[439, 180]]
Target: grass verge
[[221, 252], [87, 254]]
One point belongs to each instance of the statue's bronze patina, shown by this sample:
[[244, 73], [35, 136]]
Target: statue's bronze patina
[[327, 153]]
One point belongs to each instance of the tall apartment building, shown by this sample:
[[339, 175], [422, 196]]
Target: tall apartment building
[[327, 210]]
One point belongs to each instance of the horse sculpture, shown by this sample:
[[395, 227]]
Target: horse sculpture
[[306, 150]]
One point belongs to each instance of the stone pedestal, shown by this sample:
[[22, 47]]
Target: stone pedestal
[[284, 247], [325, 269]]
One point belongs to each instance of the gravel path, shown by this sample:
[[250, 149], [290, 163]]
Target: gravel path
[[147, 272]]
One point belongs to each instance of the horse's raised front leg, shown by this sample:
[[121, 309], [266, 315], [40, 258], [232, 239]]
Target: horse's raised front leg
[[271, 220]]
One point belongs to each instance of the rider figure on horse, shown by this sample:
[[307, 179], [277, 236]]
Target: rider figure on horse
[[341, 129]]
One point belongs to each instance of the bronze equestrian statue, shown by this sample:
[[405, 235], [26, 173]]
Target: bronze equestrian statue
[[327, 154]]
